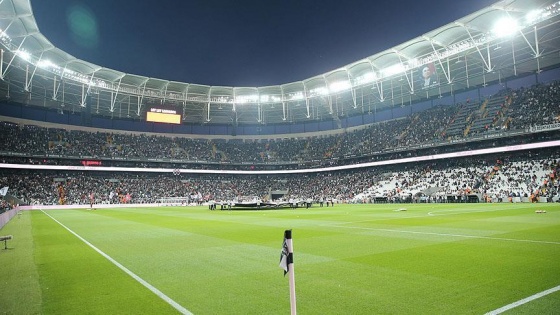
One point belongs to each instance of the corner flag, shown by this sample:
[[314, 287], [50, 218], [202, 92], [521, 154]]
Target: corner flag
[[285, 256], [287, 263]]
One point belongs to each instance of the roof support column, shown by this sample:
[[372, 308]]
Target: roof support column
[[445, 73], [306, 99], [114, 96], [352, 91], [185, 101], [208, 104], [2, 64], [408, 79], [283, 104], [56, 88], [84, 95], [259, 107], [488, 67], [329, 99], [141, 99], [28, 84], [165, 93], [537, 50]]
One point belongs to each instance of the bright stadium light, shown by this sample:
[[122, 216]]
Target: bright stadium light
[[339, 86], [319, 91], [45, 64], [296, 96], [264, 98], [505, 27], [243, 99], [24, 55], [365, 78], [533, 16], [413, 63], [394, 69]]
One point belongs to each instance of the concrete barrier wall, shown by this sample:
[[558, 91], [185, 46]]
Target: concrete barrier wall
[[98, 206], [7, 216]]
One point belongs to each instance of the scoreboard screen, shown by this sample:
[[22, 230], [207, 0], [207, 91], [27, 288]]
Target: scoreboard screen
[[163, 115]]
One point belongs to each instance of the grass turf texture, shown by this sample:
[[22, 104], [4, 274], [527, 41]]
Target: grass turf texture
[[350, 259]]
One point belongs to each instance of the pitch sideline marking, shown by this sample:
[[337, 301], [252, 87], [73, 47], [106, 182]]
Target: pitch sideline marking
[[150, 287], [431, 213], [449, 234], [523, 301]]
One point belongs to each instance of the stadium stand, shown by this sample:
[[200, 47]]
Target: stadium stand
[[525, 108], [300, 126]]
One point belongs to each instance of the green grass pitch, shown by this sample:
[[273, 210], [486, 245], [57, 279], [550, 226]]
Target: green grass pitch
[[349, 259]]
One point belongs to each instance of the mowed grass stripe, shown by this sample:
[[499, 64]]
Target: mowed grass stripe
[[175, 260], [220, 262], [19, 278], [75, 279]]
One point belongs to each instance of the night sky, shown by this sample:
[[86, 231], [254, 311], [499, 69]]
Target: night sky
[[237, 42]]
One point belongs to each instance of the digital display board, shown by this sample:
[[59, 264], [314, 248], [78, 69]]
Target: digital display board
[[91, 163], [163, 115]]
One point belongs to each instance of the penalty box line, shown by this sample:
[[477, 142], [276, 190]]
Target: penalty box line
[[150, 287], [523, 301]]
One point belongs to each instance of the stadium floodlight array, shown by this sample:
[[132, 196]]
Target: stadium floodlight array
[[503, 27]]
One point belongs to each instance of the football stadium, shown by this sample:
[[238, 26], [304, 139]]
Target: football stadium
[[422, 179]]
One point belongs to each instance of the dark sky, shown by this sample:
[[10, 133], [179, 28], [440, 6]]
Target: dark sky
[[237, 42]]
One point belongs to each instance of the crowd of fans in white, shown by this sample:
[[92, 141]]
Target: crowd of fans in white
[[491, 179]]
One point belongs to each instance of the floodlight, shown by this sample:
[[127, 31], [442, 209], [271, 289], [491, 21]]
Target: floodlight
[[246, 99], [296, 96], [533, 16], [505, 27], [394, 69], [45, 64], [24, 55], [319, 91], [413, 63], [340, 86], [276, 98], [366, 78], [264, 98]]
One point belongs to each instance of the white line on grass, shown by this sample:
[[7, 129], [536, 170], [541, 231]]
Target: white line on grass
[[453, 235], [431, 213], [150, 287], [471, 210], [523, 301]]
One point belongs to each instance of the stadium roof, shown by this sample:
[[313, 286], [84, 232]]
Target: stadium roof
[[464, 53]]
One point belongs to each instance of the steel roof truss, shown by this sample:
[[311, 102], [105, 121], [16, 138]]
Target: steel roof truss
[[446, 72], [141, 98], [486, 63], [13, 57], [306, 99], [408, 79], [115, 94]]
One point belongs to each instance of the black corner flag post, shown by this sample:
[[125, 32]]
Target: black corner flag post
[[287, 263]]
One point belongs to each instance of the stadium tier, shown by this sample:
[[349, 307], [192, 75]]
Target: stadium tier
[[457, 91]]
